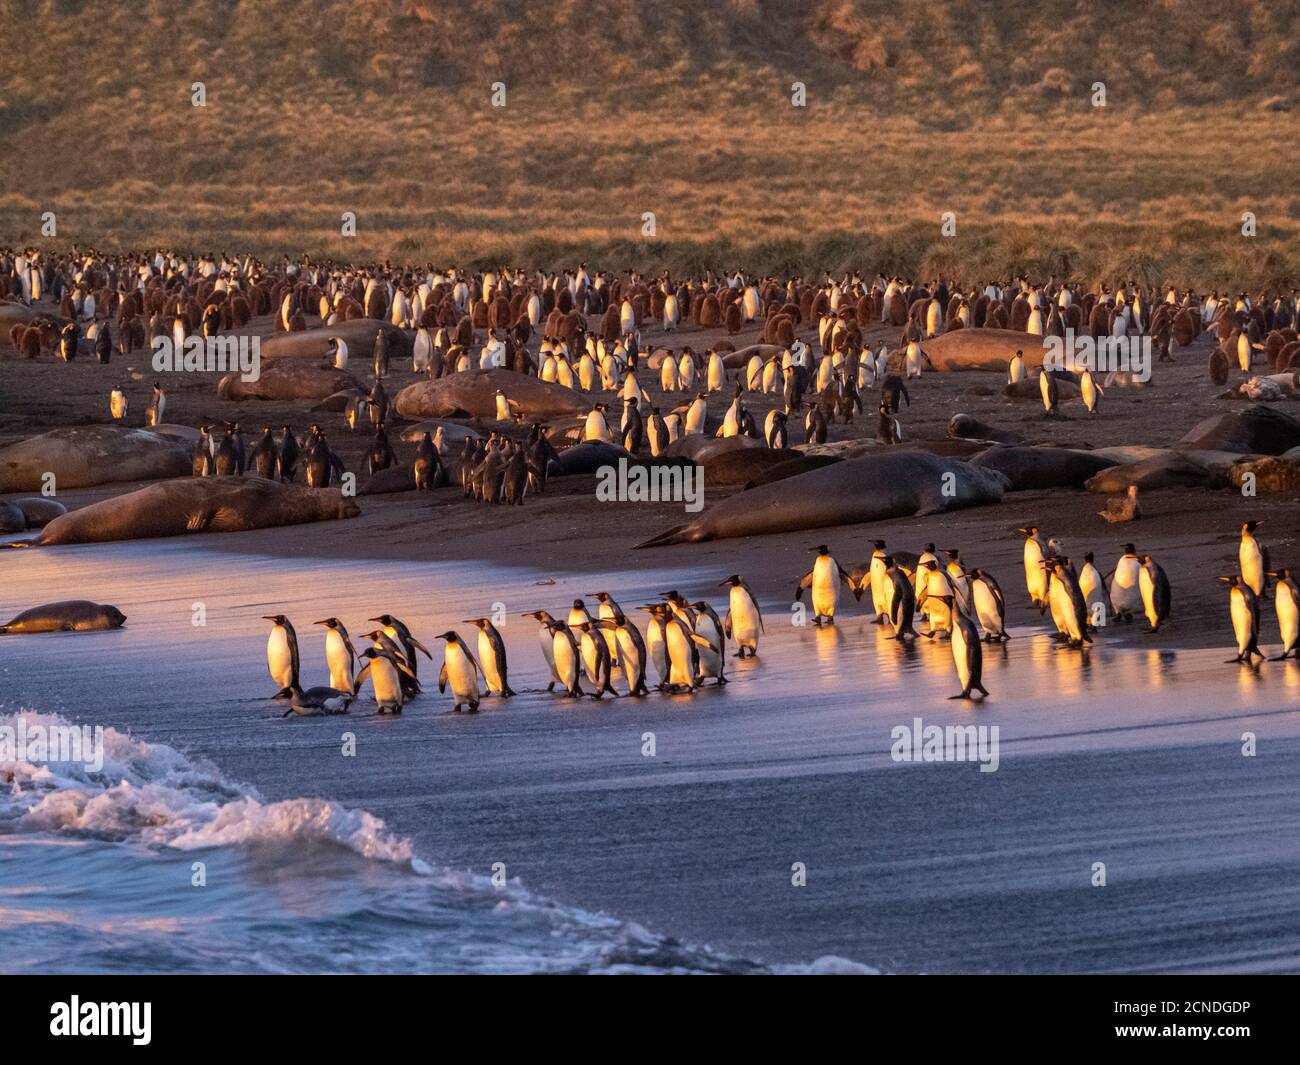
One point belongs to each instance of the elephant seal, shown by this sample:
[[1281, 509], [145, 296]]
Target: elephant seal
[[701, 448], [742, 465], [72, 615], [383, 482], [1031, 468], [473, 394], [184, 433], [195, 505], [792, 468], [452, 432], [12, 518], [1254, 431], [587, 457], [890, 485], [19, 515], [966, 427], [984, 349], [358, 334], [1272, 474], [1165, 470], [287, 380], [86, 455]]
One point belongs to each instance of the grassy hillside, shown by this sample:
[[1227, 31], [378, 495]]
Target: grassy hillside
[[683, 109]]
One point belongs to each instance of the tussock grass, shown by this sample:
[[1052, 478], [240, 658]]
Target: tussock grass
[[683, 109]]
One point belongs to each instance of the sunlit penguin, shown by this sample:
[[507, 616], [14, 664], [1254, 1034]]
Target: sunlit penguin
[[1125, 595], [656, 638], [606, 611], [967, 654], [1253, 558], [282, 655], [631, 651], [1094, 591], [989, 606], [385, 680], [1069, 611], [713, 654], [901, 600], [1287, 601], [117, 404], [595, 658], [340, 655], [492, 657], [744, 620], [1035, 575], [824, 579], [546, 639], [1243, 606], [460, 672]]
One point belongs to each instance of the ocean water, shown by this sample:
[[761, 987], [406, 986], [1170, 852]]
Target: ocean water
[[615, 860]]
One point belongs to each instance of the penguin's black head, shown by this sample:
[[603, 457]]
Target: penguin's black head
[[733, 580], [1129, 549], [329, 623], [929, 548], [1251, 526], [578, 604], [1088, 558], [952, 552], [821, 549], [878, 544], [279, 619], [386, 619], [480, 622], [450, 636]]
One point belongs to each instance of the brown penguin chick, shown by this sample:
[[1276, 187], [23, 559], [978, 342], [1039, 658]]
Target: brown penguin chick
[[1123, 508], [1220, 367]]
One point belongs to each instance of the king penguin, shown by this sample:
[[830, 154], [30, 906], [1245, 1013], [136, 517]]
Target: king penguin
[[492, 657], [340, 655], [744, 620], [1287, 597], [1253, 557], [824, 579], [1243, 605], [282, 655], [460, 671]]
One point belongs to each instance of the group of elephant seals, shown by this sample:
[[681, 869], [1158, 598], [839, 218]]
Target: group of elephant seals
[[872, 488], [196, 505], [20, 515], [473, 394], [1031, 468], [83, 456], [71, 615], [287, 380], [984, 349]]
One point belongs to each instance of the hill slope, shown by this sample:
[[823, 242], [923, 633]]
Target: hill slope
[[677, 108]]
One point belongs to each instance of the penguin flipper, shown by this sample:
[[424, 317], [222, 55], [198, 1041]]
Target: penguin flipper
[[442, 678]]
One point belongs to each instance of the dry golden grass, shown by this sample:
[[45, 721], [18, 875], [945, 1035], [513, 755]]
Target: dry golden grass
[[683, 109]]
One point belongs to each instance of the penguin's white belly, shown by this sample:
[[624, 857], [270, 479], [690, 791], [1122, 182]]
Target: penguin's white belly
[[825, 588], [1241, 621], [547, 641], [744, 619], [279, 658], [461, 676]]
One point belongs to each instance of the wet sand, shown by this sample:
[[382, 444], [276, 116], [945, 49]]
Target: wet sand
[[1132, 759]]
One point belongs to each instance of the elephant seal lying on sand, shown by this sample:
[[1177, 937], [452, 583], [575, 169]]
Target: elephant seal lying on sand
[[1163, 470], [1030, 468], [984, 349], [1254, 431], [287, 380], [966, 427], [86, 455], [358, 334], [892, 485], [195, 505], [72, 615], [473, 394], [19, 515]]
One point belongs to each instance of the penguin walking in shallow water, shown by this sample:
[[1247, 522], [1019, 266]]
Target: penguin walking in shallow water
[[386, 681], [1093, 588], [1035, 574], [713, 654], [901, 600], [568, 658], [967, 654], [1253, 557], [824, 579], [492, 657], [546, 638], [1069, 611], [744, 619], [989, 605], [595, 658], [1125, 595], [395, 629], [631, 651], [460, 671], [1156, 593], [340, 655], [605, 612], [282, 655], [1243, 606], [1287, 600]]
